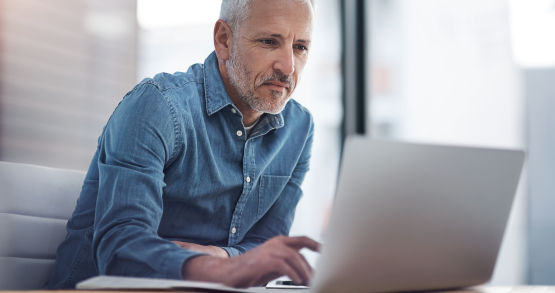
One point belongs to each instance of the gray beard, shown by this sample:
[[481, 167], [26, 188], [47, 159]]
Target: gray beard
[[240, 78]]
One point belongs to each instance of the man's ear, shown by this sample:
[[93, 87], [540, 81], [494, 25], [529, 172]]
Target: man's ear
[[223, 39]]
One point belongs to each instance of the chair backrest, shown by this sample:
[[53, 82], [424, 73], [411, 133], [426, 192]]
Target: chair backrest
[[35, 204]]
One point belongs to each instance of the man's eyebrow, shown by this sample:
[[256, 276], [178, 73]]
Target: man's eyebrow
[[280, 36]]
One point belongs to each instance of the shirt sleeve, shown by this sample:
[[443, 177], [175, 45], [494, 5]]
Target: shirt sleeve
[[138, 141], [278, 219]]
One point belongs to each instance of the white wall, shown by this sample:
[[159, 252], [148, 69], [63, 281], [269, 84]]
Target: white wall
[[443, 72]]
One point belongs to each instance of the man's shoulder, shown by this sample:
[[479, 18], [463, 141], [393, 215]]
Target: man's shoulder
[[165, 92], [167, 81]]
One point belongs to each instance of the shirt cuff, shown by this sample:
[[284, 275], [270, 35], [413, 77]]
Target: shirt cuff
[[173, 264], [231, 251]]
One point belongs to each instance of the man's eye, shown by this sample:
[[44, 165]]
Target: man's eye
[[302, 48], [268, 42]]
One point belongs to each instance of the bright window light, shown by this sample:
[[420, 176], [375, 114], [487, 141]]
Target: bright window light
[[152, 14], [533, 32]]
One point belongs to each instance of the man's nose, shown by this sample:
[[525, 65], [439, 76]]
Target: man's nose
[[286, 61]]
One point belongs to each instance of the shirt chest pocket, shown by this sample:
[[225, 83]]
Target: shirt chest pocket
[[271, 187]]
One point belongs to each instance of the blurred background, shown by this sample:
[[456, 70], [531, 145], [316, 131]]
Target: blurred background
[[465, 72]]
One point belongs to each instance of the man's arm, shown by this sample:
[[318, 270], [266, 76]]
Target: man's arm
[[277, 257], [208, 249], [138, 141]]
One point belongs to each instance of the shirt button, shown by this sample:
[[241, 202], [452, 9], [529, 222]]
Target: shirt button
[[233, 110], [248, 179], [233, 230], [239, 132]]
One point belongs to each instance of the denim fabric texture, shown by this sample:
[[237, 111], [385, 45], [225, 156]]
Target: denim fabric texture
[[174, 163]]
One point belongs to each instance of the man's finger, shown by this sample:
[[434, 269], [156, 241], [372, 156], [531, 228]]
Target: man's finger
[[266, 278], [301, 242], [299, 264], [284, 268]]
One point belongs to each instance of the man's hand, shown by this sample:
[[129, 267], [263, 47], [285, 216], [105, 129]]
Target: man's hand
[[277, 257], [208, 249]]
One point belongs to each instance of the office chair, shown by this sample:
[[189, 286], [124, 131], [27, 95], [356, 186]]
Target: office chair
[[35, 204]]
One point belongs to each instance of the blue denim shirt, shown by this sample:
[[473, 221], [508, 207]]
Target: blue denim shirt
[[174, 163]]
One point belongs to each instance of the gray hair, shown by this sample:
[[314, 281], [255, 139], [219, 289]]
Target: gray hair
[[234, 12]]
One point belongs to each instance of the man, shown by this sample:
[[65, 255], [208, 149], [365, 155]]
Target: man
[[197, 174]]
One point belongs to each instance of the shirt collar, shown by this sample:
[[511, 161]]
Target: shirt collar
[[216, 94]]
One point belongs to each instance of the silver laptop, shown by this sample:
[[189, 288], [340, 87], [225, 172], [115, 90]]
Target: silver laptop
[[412, 217]]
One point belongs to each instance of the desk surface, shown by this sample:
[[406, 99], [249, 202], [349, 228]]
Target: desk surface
[[484, 289]]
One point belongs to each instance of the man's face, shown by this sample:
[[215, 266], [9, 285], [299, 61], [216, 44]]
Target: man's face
[[269, 52]]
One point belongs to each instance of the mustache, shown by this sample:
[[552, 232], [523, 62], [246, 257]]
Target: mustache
[[278, 76]]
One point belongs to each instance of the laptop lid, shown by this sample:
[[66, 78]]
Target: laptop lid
[[413, 217]]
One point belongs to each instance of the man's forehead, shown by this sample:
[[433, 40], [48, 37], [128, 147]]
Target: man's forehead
[[281, 18]]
